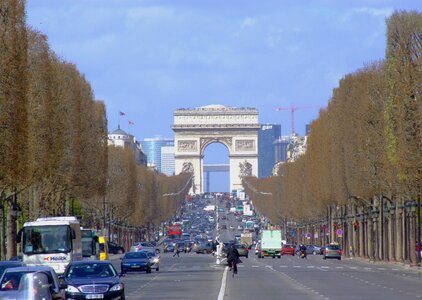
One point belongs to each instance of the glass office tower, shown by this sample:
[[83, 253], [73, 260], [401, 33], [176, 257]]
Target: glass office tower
[[267, 134]]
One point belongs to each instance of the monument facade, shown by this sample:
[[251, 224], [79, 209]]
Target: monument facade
[[235, 128]]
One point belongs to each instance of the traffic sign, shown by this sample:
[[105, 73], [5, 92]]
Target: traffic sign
[[339, 232]]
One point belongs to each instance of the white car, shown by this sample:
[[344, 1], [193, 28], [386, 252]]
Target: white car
[[154, 259]]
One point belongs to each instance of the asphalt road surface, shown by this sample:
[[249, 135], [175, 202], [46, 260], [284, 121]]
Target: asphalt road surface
[[197, 276]]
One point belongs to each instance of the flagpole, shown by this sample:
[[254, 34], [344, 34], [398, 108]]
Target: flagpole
[[118, 119]]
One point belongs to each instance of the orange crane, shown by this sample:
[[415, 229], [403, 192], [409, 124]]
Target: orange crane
[[292, 110]]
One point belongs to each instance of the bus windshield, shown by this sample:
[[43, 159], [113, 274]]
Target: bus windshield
[[249, 225], [47, 239]]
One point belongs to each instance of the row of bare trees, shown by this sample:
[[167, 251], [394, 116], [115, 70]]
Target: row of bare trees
[[54, 158], [364, 157]]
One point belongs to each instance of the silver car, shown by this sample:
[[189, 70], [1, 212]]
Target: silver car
[[332, 251], [11, 278], [154, 259]]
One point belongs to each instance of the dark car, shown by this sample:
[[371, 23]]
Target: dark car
[[312, 249], [114, 248], [169, 247], [202, 246], [9, 264], [93, 279], [135, 261], [243, 250]]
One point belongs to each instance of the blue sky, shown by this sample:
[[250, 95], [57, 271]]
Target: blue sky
[[147, 58]]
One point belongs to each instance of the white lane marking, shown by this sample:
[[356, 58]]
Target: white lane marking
[[353, 268], [339, 267], [310, 267], [325, 267], [284, 266], [223, 285], [368, 268], [297, 266], [255, 266]]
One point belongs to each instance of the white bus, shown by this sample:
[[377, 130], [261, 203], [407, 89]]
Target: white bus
[[52, 241]]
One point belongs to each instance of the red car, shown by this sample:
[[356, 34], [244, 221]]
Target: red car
[[288, 249]]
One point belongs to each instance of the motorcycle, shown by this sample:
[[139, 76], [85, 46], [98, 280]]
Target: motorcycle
[[302, 254]]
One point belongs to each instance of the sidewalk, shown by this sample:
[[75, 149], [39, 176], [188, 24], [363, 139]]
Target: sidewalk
[[404, 266]]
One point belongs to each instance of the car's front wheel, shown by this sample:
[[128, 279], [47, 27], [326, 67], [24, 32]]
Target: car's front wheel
[[148, 270]]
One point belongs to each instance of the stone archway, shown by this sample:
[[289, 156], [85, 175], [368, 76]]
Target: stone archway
[[236, 128]]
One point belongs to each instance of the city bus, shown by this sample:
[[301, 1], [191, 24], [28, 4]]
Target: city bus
[[90, 246], [51, 241], [249, 226]]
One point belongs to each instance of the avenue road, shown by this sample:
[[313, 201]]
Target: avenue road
[[197, 276]]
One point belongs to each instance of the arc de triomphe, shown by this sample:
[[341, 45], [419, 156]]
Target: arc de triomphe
[[236, 128]]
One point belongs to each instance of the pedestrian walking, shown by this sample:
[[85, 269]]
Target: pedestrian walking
[[176, 250]]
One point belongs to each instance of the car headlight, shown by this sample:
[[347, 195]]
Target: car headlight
[[117, 287], [156, 260], [72, 289]]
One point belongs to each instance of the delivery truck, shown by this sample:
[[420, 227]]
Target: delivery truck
[[270, 243]]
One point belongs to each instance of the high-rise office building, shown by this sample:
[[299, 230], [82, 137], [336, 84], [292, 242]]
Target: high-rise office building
[[152, 147], [167, 160], [267, 134], [307, 129], [280, 148]]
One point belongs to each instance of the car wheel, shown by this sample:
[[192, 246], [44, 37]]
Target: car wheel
[[205, 252], [314, 253], [339, 258], [148, 270], [279, 256], [158, 269], [122, 297], [324, 258]]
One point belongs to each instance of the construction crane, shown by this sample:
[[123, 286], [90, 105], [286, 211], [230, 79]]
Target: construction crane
[[292, 110]]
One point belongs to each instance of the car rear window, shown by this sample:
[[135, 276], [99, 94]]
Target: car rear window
[[333, 247]]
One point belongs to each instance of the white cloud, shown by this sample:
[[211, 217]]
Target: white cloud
[[248, 22], [142, 14], [375, 12], [273, 37]]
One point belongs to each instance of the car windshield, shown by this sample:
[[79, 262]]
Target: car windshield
[[149, 254], [10, 280], [91, 270], [132, 255], [5, 266]]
